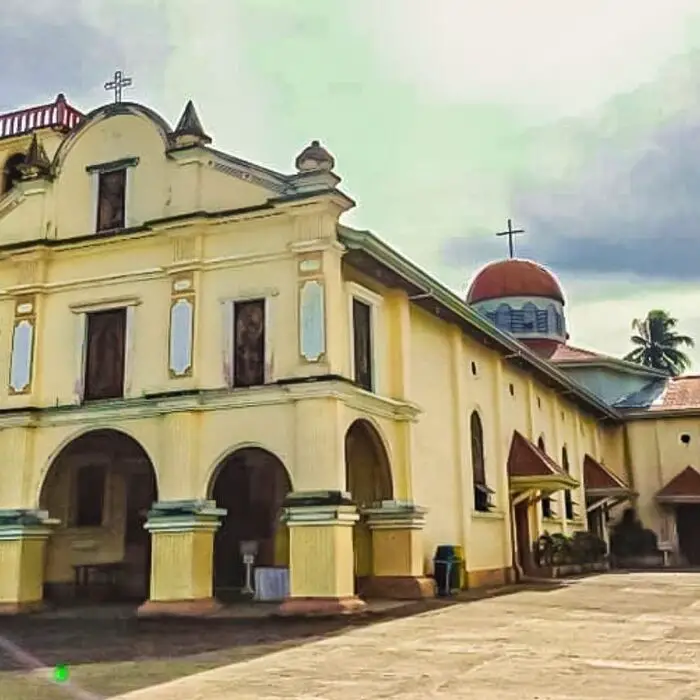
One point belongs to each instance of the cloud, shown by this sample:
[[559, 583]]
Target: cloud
[[52, 46], [43, 50], [615, 194]]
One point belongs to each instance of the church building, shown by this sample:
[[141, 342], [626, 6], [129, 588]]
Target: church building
[[211, 388]]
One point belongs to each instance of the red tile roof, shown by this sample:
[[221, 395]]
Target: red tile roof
[[683, 487], [680, 392], [597, 477], [556, 351]]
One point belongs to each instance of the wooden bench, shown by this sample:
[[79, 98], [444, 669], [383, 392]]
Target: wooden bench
[[105, 575]]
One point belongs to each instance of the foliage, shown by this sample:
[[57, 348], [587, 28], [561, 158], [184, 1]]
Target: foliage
[[658, 344], [629, 538], [560, 550]]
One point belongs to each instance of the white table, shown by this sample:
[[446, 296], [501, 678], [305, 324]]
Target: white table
[[271, 583]]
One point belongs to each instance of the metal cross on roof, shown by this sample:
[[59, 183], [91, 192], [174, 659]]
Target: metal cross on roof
[[511, 232], [117, 83]]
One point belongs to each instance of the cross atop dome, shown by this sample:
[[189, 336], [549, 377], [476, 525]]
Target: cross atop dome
[[511, 233]]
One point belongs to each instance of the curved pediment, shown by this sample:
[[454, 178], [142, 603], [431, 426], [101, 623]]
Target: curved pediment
[[119, 109]]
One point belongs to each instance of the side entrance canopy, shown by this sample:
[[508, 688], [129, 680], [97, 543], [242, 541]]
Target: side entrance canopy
[[529, 468], [683, 488], [602, 486]]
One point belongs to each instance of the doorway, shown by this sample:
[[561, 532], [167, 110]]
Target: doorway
[[368, 477], [521, 518], [688, 528], [251, 484], [100, 487]]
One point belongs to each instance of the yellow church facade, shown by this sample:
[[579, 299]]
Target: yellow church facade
[[202, 368]]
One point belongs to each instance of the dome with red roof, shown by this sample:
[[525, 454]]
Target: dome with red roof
[[514, 278], [520, 297]]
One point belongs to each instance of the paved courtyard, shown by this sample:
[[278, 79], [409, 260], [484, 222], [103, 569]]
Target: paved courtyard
[[614, 636]]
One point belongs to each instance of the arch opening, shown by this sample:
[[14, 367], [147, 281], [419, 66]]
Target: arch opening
[[482, 492], [368, 479], [251, 484], [100, 487], [11, 173]]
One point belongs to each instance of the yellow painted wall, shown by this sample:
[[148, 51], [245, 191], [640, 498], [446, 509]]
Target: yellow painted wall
[[657, 455]]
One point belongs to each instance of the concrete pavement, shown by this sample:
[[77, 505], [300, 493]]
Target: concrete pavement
[[615, 636]]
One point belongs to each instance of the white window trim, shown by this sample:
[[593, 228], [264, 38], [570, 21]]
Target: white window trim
[[375, 302], [227, 305], [81, 312]]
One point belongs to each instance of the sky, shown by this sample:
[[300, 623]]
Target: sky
[[580, 120]]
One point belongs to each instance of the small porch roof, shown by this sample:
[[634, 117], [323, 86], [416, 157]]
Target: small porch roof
[[683, 488], [602, 487], [529, 468], [600, 482]]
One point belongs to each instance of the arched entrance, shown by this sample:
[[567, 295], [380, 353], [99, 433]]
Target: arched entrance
[[368, 478], [251, 484], [100, 487]]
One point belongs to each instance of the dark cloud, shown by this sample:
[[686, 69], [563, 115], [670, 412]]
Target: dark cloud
[[630, 201], [51, 46], [45, 53]]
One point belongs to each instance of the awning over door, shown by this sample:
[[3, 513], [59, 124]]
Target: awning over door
[[601, 486], [530, 468], [683, 488]]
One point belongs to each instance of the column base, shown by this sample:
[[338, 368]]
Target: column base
[[204, 607], [310, 607], [33, 606], [397, 587]]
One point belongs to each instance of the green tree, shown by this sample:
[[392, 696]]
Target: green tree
[[658, 344]]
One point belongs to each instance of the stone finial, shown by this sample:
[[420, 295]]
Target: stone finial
[[189, 130], [36, 163], [314, 158]]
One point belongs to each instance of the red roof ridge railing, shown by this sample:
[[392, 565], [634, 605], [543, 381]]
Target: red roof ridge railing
[[58, 115]]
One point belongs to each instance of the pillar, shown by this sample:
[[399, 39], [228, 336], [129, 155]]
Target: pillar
[[321, 577], [397, 552], [23, 535], [182, 558]]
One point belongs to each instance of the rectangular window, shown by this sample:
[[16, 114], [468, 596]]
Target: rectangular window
[[249, 343], [111, 200], [90, 496], [568, 505], [362, 344], [105, 355]]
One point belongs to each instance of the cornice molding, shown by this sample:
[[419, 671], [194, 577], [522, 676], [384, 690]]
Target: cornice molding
[[105, 413]]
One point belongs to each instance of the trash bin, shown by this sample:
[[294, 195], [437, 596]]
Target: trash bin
[[448, 568]]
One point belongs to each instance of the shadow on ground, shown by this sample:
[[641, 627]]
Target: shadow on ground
[[111, 651]]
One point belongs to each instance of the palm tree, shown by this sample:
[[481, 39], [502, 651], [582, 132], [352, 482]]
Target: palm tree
[[658, 343]]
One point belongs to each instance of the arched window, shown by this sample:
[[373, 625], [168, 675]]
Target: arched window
[[529, 317], [11, 173], [503, 317], [482, 493], [546, 500], [568, 500]]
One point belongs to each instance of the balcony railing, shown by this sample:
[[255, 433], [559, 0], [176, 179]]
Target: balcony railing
[[58, 115]]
